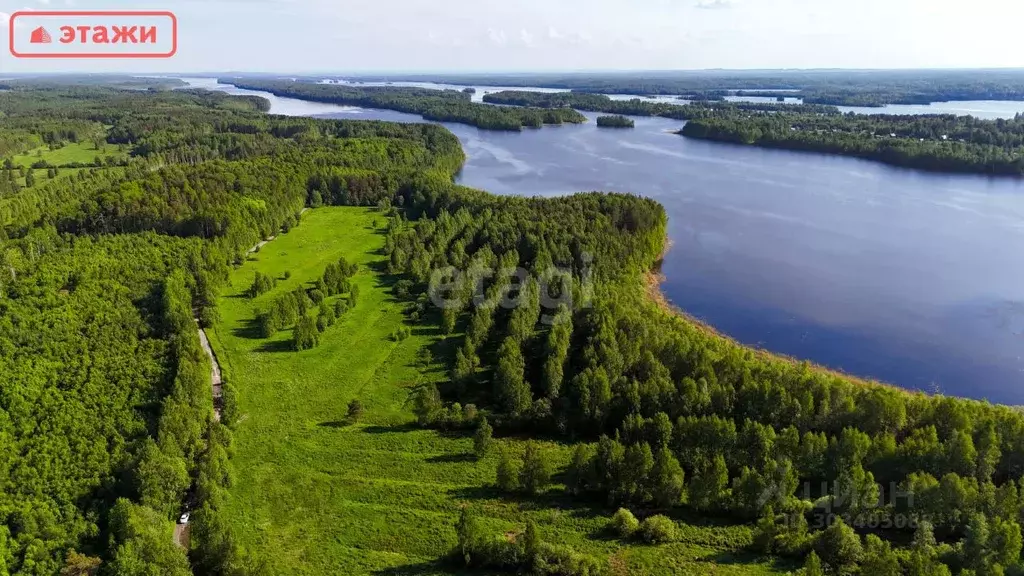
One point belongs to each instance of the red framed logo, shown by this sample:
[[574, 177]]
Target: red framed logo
[[93, 34]]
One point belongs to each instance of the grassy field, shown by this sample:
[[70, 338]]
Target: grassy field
[[83, 152], [314, 495]]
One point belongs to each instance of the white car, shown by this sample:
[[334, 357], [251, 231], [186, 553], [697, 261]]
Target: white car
[[184, 518]]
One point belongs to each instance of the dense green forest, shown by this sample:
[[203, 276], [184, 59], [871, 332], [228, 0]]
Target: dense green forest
[[107, 80], [929, 142], [437, 105], [107, 420], [106, 415], [945, 143], [836, 87], [670, 417], [614, 122], [638, 107]]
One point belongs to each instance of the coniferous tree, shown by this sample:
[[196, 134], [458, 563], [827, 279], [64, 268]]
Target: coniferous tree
[[482, 440], [511, 389], [306, 335]]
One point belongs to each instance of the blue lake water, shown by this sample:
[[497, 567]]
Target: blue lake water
[[907, 277]]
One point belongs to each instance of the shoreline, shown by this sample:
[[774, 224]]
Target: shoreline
[[652, 280]]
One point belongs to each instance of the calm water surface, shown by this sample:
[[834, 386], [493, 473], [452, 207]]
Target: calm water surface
[[911, 278]]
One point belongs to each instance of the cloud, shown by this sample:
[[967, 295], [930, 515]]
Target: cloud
[[526, 37], [4, 17], [715, 4], [497, 36]]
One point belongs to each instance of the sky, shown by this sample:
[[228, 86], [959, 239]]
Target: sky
[[341, 36]]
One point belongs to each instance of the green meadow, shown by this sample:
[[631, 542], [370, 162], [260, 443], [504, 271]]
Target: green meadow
[[315, 494], [81, 152]]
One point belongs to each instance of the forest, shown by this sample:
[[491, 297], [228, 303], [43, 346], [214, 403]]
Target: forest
[[848, 477], [638, 107], [106, 416], [614, 122], [943, 143], [835, 87], [107, 423], [437, 105]]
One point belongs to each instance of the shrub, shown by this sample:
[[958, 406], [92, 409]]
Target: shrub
[[508, 473], [623, 524], [564, 561], [451, 418], [316, 295], [426, 404], [401, 334], [403, 288], [658, 529], [355, 410], [208, 316], [229, 405], [340, 308], [326, 313]]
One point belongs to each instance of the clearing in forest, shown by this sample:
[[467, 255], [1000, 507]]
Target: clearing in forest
[[316, 494]]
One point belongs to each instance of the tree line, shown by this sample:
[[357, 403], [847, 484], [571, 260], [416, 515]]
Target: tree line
[[944, 143], [106, 420], [836, 87], [639, 107], [667, 416], [437, 105]]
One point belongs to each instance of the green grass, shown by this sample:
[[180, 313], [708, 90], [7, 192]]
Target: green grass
[[313, 495], [84, 152]]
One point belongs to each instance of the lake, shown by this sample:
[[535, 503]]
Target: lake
[[907, 277]]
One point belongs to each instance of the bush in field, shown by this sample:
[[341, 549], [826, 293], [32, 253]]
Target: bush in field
[[316, 295], [260, 285], [355, 410], [340, 308], [623, 524], [326, 314], [508, 473], [658, 529]]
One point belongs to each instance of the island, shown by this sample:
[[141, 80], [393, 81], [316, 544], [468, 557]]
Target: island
[[615, 121], [437, 105], [872, 88], [639, 107]]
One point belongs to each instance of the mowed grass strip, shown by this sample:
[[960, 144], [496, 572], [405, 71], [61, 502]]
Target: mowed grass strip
[[314, 494]]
